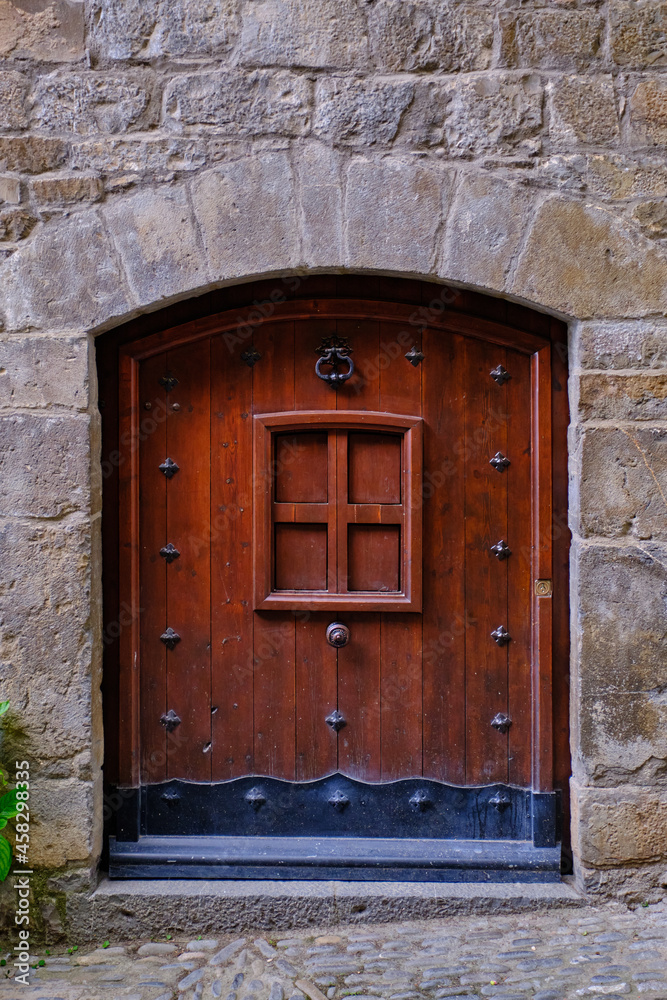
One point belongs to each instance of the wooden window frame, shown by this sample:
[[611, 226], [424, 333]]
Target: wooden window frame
[[339, 514]]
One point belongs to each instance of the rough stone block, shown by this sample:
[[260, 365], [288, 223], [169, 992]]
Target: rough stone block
[[648, 112], [66, 189], [94, 103], [13, 94], [16, 225], [621, 709], [310, 33], [638, 33], [623, 483], [484, 230], [320, 181], [42, 30], [46, 632], [583, 262], [156, 158], [44, 372], [551, 39], [45, 464], [583, 110], [10, 190], [360, 112], [616, 826], [243, 233], [32, 154], [652, 217], [259, 103], [614, 176], [149, 29], [393, 211], [623, 738], [64, 826], [493, 114], [428, 37], [639, 344], [157, 240], [623, 397], [67, 277]]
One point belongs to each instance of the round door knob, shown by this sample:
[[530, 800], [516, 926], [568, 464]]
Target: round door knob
[[338, 634]]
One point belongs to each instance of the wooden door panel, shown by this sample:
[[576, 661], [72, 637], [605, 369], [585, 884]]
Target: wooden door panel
[[359, 672], [316, 697], [189, 576], [519, 567], [253, 683], [445, 614], [274, 633], [153, 569], [231, 562], [485, 576]]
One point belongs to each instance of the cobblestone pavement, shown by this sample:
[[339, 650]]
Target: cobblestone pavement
[[608, 951]]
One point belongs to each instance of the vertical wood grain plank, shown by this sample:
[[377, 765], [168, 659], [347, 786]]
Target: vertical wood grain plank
[[316, 697], [152, 567], [519, 538], [274, 681], [444, 615], [359, 743], [485, 576], [189, 576], [231, 562]]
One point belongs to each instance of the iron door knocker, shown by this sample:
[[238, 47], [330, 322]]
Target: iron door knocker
[[334, 352]]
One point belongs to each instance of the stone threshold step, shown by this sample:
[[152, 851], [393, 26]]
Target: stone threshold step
[[146, 908]]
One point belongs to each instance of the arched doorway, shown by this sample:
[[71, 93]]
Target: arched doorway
[[346, 597]]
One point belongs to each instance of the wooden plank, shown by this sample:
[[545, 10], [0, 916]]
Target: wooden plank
[[444, 615], [153, 568], [362, 391], [485, 576], [274, 691], [189, 576], [316, 697], [518, 394], [231, 563], [401, 696], [312, 393], [129, 726], [542, 570], [359, 743]]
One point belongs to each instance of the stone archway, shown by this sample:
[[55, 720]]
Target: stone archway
[[272, 215]]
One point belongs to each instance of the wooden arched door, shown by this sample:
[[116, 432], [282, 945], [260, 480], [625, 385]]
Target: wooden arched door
[[335, 531]]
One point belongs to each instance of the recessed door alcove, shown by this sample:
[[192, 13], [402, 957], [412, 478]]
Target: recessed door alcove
[[334, 522]]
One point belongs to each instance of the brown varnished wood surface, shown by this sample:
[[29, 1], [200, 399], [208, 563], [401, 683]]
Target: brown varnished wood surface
[[407, 713]]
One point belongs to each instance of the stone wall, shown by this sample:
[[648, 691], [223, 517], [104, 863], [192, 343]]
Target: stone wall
[[153, 149]]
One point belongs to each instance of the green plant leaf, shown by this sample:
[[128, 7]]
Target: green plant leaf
[[3, 822], [4, 705], [8, 808], [5, 858]]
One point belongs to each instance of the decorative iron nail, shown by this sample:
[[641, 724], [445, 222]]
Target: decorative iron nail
[[500, 375], [169, 468], [335, 720], [170, 720], [251, 357], [501, 550], [500, 801], [170, 638], [207, 748], [171, 797], [499, 462], [501, 722], [255, 798], [501, 635], [415, 357], [339, 800], [420, 800], [169, 552], [168, 381]]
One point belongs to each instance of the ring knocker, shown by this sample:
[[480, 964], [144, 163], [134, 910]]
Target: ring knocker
[[334, 352]]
